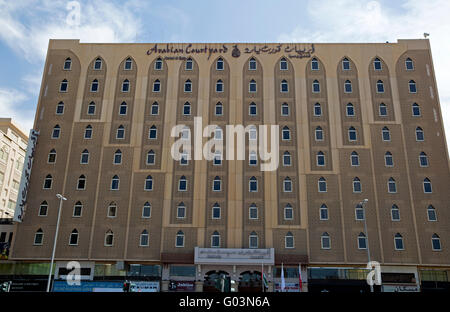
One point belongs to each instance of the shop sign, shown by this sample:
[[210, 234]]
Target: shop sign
[[289, 287], [400, 288], [144, 286], [88, 286], [182, 286], [28, 285], [234, 256]]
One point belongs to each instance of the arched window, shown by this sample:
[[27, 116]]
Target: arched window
[[159, 64], [315, 86], [117, 157], [143, 239], [288, 212], [156, 86], [345, 64], [126, 86], [354, 159], [252, 86], [253, 185], [435, 242], [283, 64], [98, 64], [323, 212], [109, 238], [128, 64], [182, 184], [285, 109], [286, 133], [388, 159], [181, 211], [320, 158], [419, 134], [215, 240], [187, 109], [427, 186], [147, 210], [67, 64], [423, 160], [362, 241], [377, 64], [252, 64], [217, 184], [412, 86], [154, 109], [386, 134], [112, 210], [392, 186], [188, 86], [148, 186], [84, 157], [382, 110], [322, 185], [48, 182], [94, 85], [357, 188], [153, 133], [289, 240], [185, 133], [217, 158], [81, 185], [73, 239], [60, 108], [352, 134], [253, 158], [395, 213], [218, 135], [88, 132], [56, 132], [287, 185], [38, 237], [179, 239], [115, 181], [359, 212], [43, 209], [150, 158], [216, 211], [409, 64], [284, 86], [319, 133], [219, 64], [123, 108], [218, 111], [380, 86], [51, 156], [348, 86], [219, 86], [314, 64], [252, 110], [91, 109], [398, 242], [253, 240], [325, 241], [120, 134], [317, 110], [431, 213], [350, 110], [415, 110], [189, 65], [287, 159], [63, 87], [253, 212]]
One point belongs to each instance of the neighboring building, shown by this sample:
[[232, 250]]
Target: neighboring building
[[357, 121], [13, 146], [6, 236]]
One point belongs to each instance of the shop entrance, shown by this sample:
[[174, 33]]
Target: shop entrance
[[215, 281], [250, 281]]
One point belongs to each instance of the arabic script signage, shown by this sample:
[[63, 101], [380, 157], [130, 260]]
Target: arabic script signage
[[181, 52], [233, 256], [26, 174]]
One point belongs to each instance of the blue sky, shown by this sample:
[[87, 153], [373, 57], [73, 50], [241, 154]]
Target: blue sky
[[26, 26]]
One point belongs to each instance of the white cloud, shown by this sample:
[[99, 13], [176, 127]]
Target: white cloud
[[11, 106], [369, 21]]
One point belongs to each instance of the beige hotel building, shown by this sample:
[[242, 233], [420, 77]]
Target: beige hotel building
[[356, 121]]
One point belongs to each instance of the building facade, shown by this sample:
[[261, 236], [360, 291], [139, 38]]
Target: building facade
[[356, 121]]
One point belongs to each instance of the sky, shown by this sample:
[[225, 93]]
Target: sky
[[27, 25]]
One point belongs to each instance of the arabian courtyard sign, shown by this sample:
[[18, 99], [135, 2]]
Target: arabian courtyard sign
[[179, 52], [234, 256]]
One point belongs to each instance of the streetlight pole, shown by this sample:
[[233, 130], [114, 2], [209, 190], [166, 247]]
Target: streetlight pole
[[61, 198], [367, 235]]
